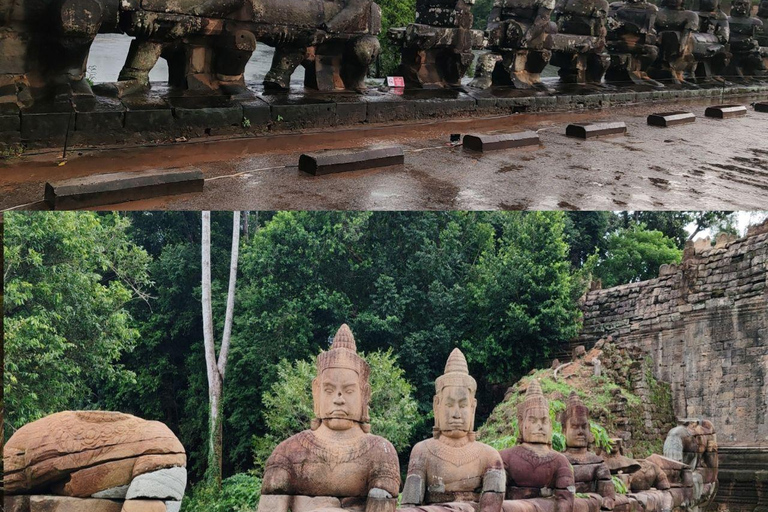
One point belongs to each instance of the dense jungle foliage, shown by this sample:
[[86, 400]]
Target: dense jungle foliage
[[103, 311]]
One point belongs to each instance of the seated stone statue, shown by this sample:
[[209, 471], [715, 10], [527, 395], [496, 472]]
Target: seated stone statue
[[452, 472], [631, 42], [747, 59], [579, 47], [762, 32], [710, 42], [519, 37], [590, 472], [675, 26], [336, 466], [539, 479]]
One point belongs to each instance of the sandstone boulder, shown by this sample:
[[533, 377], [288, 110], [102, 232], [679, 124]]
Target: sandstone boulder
[[82, 453]]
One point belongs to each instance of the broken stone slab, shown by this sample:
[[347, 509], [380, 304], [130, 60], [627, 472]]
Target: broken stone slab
[[166, 484], [667, 119], [322, 163], [592, 130], [761, 106], [486, 142], [120, 187], [143, 506], [726, 111]]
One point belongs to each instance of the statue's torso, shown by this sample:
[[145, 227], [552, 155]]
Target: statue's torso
[[308, 465], [588, 470], [528, 472]]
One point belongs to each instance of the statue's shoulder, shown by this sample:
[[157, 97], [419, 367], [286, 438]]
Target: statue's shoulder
[[294, 445], [380, 445]]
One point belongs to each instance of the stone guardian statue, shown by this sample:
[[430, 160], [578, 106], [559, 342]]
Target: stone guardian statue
[[337, 465], [452, 472]]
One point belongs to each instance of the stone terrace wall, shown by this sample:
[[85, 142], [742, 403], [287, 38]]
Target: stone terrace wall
[[704, 324]]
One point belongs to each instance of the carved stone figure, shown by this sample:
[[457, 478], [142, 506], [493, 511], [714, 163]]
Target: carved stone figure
[[437, 50], [539, 479], [694, 443], [590, 472], [452, 472], [675, 27], [762, 15], [710, 49], [519, 37], [747, 59], [631, 42], [579, 45], [337, 465], [84, 456]]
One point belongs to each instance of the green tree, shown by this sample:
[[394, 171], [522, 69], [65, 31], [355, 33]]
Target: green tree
[[394, 13], [523, 297], [288, 403], [69, 278], [635, 254]]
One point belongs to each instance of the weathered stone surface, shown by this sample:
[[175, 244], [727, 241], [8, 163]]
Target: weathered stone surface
[[258, 113], [726, 111], [165, 484], [666, 119], [711, 307], [452, 471], [336, 458], [46, 126], [44, 453], [114, 475], [143, 506], [486, 142], [326, 163], [172, 506], [121, 186], [15, 503], [761, 106], [67, 504], [592, 130], [209, 117], [10, 123]]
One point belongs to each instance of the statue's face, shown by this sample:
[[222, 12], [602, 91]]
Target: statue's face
[[740, 7], [577, 431], [455, 409], [536, 427], [340, 398]]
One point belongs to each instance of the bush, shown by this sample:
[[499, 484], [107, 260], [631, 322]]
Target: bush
[[238, 493], [288, 404]]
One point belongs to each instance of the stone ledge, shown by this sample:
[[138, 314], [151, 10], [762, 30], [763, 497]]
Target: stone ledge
[[173, 117]]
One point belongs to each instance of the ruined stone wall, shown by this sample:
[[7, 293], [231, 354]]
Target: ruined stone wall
[[704, 324]]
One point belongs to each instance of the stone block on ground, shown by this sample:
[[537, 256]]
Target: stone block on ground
[[726, 111], [144, 506], [488, 142], [593, 130], [68, 504], [104, 189], [666, 119], [332, 162], [761, 106]]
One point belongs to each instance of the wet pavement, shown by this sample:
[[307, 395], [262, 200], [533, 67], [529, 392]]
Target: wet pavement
[[713, 164]]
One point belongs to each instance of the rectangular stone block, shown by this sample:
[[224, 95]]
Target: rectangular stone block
[[351, 113], [10, 123], [99, 122], [46, 126], [326, 163], [726, 111], [258, 114], [304, 115], [592, 130], [390, 109], [666, 119], [16, 503], [213, 117], [485, 142], [150, 120], [120, 187], [761, 106]]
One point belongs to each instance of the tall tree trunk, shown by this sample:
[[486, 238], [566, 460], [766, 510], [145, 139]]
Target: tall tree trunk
[[217, 369]]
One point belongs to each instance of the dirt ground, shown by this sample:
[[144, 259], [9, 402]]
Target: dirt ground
[[710, 164]]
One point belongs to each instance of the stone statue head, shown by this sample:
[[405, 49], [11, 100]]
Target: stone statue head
[[741, 8], [576, 423], [709, 5], [341, 390], [533, 416], [454, 402]]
